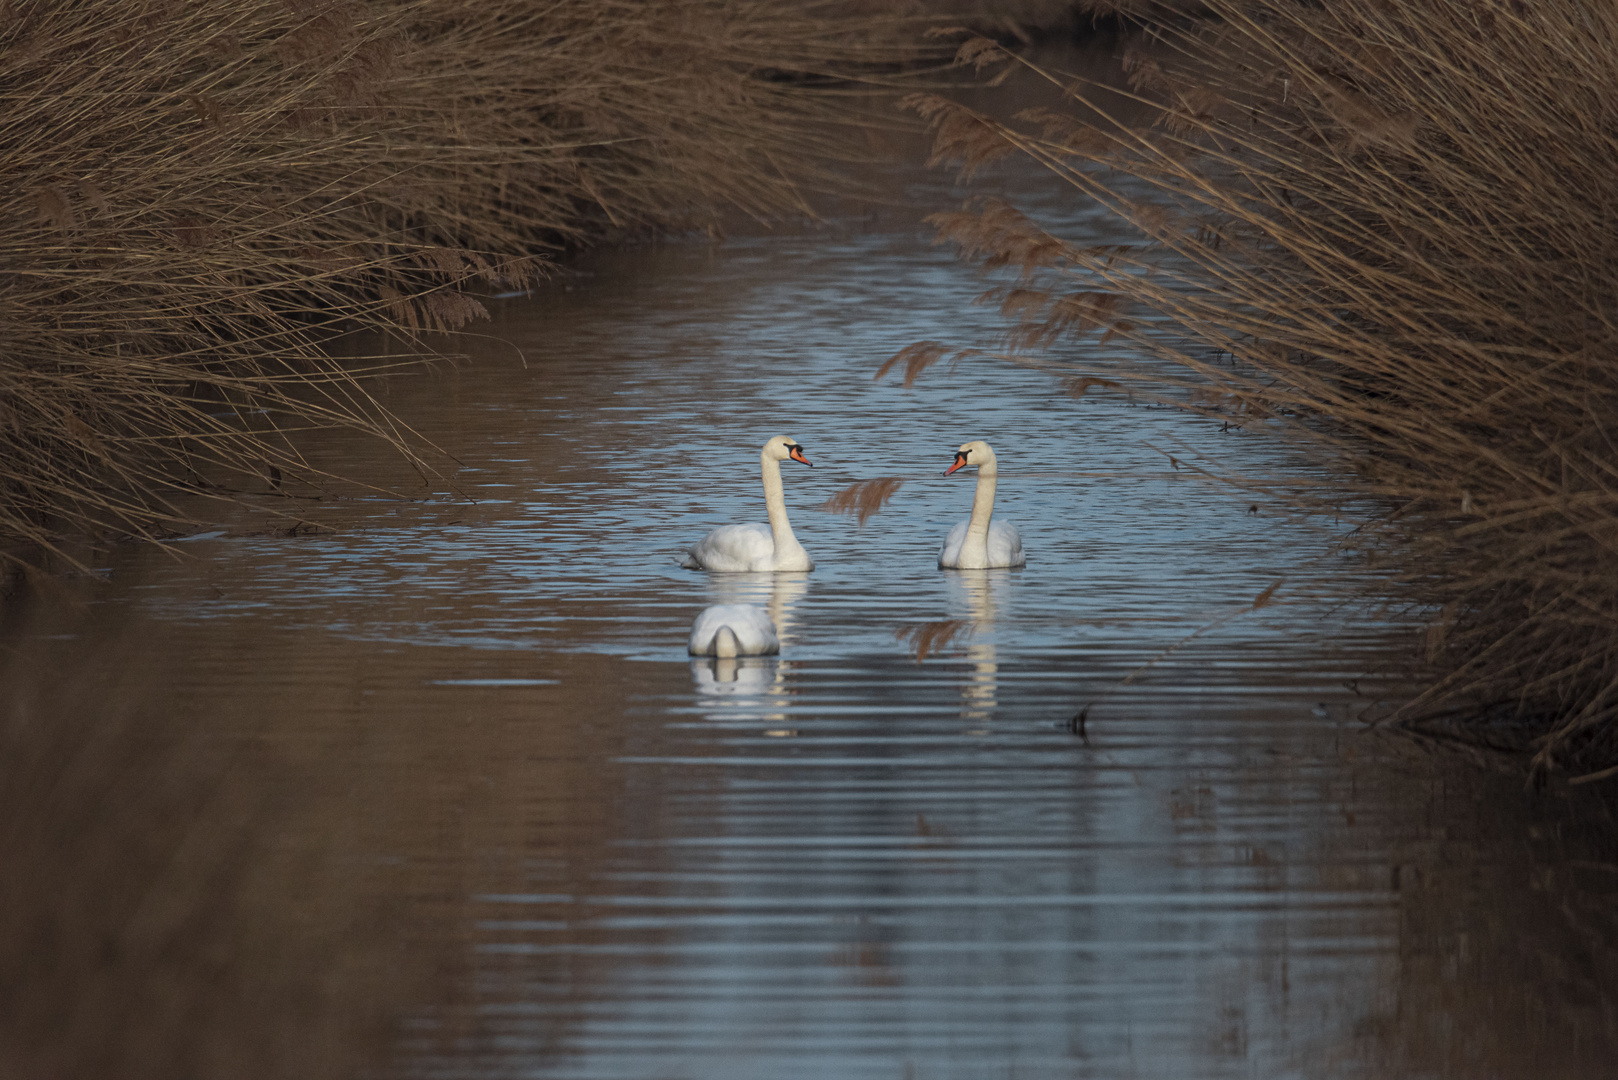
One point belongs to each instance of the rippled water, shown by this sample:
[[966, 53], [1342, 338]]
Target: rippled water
[[433, 783]]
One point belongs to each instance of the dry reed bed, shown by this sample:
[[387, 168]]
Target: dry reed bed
[[200, 193], [1384, 231]]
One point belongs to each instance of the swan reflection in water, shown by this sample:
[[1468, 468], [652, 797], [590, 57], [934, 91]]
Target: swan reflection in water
[[981, 593], [751, 688]]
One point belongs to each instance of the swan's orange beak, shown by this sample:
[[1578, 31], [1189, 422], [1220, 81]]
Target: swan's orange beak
[[960, 460], [796, 454]]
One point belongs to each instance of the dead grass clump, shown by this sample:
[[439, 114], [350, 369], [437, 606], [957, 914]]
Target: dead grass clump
[[1385, 230], [199, 195]]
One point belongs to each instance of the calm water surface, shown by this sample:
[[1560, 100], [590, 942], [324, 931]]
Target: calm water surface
[[431, 790]]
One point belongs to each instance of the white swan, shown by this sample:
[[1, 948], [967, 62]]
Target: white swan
[[976, 544], [730, 630], [735, 549]]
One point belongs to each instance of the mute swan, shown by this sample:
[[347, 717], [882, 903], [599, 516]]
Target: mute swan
[[729, 630], [735, 549], [975, 544]]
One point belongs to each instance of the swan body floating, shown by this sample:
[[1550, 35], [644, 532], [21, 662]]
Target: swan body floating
[[979, 543], [730, 630], [739, 549]]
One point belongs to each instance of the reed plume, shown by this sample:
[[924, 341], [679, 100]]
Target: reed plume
[[1383, 232], [864, 498]]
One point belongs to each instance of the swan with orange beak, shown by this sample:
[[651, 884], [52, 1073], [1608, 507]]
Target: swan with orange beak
[[979, 542], [740, 549]]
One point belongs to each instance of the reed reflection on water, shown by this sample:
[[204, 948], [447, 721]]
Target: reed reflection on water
[[442, 768]]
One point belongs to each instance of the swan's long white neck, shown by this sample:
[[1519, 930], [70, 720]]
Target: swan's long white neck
[[775, 504], [975, 548]]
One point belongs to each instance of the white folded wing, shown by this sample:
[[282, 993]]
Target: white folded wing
[[733, 630]]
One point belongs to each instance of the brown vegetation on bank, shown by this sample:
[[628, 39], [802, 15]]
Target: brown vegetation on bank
[[201, 194], [1384, 231]]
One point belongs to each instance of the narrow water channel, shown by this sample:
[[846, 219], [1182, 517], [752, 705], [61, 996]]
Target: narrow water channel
[[427, 787]]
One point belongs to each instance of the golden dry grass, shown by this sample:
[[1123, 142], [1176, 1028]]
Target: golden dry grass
[[201, 195], [1383, 231]]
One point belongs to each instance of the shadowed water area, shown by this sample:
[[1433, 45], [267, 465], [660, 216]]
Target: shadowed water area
[[428, 787]]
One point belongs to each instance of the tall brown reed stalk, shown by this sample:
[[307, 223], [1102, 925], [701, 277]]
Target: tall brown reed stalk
[[1384, 231], [200, 195]]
